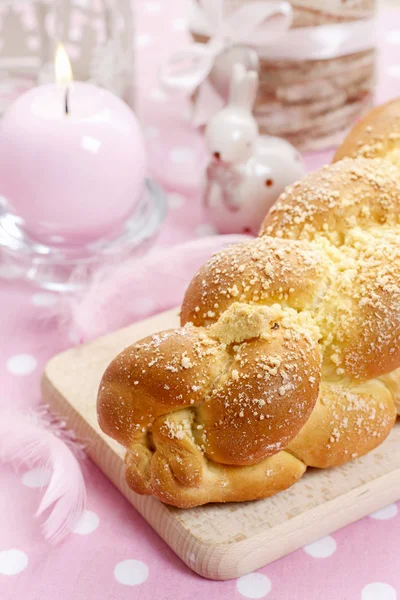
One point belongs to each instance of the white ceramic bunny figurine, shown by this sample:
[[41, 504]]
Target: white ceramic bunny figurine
[[247, 171]]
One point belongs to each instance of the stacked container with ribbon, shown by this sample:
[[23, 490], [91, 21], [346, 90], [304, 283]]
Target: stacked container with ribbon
[[316, 61]]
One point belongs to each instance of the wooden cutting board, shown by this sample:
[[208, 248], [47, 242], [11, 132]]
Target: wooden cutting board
[[221, 541]]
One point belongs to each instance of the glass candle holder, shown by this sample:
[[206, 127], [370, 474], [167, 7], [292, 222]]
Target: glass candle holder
[[73, 180], [59, 268]]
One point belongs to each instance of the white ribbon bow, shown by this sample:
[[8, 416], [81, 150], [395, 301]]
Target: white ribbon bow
[[262, 26], [254, 25]]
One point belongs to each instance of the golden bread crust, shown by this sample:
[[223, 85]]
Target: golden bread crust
[[256, 408], [263, 271], [348, 421], [289, 350], [218, 483], [163, 372], [377, 135], [189, 403], [334, 200]]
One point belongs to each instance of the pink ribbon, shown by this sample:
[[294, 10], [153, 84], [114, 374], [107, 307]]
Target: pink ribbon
[[254, 25]]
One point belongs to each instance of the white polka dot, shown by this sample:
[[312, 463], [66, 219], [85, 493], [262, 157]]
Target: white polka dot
[[254, 585], [36, 478], [152, 7], [144, 40], [44, 299], [378, 591], [205, 229], [151, 132], [21, 364], [9, 271], [179, 24], [322, 548], [131, 572], [175, 201], [88, 522], [158, 95], [393, 37], [393, 71], [12, 561], [181, 155], [385, 513]]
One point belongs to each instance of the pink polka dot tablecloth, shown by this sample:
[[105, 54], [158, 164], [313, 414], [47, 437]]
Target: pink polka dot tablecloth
[[113, 554]]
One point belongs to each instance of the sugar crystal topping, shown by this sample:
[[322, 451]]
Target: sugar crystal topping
[[321, 285]]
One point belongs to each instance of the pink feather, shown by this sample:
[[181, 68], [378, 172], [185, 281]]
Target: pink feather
[[118, 295], [37, 438]]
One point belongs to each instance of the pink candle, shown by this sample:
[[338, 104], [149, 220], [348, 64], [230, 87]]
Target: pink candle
[[71, 173]]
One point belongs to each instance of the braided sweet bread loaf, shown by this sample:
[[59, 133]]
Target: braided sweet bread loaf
[[289, 352]]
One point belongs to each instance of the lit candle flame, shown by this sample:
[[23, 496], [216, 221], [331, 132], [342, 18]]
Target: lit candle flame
[[62, 66]]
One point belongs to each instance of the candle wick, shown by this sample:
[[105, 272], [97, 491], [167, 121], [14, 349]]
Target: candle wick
[[67, 101]]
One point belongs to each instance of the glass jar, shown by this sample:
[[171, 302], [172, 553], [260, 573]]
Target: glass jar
[[97, 34]]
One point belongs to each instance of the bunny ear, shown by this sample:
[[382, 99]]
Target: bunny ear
[[244, 87], [237, 84], [251, 88]]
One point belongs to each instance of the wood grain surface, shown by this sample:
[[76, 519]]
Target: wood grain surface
[[221, 541]]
